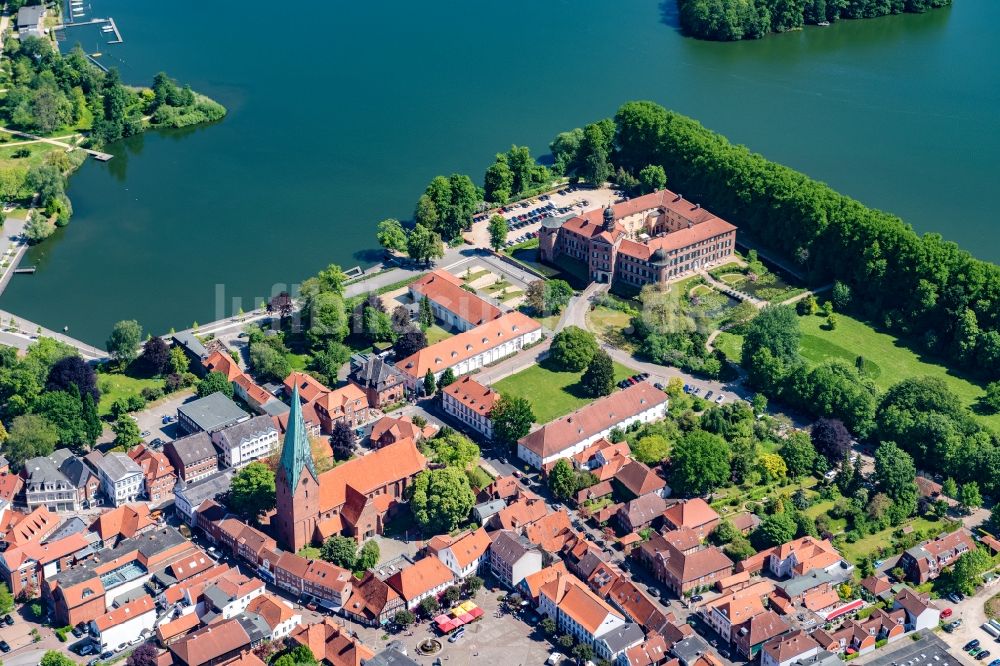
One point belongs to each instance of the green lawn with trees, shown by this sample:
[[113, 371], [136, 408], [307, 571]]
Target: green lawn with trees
[[552, 392]]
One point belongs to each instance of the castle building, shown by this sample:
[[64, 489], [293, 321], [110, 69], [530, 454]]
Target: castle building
[[354, 498], [653, 238]]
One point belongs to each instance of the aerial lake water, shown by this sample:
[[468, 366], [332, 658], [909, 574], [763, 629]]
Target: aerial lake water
[[340, 112]]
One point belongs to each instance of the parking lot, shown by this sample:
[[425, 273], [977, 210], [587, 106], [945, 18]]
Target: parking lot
[[525, 217], [150, 419], [928, 651]]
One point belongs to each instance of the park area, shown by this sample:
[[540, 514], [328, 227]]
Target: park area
[[552, 393], [887, 358]]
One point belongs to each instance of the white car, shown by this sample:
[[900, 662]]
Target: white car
[[719, 399]]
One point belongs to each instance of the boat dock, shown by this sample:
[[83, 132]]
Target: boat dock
[[109, 27], [28, 270], [96, 154]]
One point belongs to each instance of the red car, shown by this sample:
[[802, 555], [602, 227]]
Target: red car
[[946, 613]]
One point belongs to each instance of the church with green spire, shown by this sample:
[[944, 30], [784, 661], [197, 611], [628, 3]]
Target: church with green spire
[[296, 484]]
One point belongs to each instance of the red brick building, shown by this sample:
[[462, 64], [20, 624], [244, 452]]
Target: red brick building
[[157, 471], [353, 498], [648, 239]]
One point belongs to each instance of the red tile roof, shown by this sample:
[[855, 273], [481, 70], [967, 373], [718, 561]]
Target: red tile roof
[[557, 436], [420, 577], [122, 614], [398, 461], [452, 351], [693, 513], [478, 398], [445, 289]]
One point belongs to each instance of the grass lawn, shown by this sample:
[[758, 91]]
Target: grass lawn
[[861, 548], [309, 552], [114, 387], [552, 393], [436, 334], [610, 325], [892, 361], [472, 277], [298, 361], [731, 345], [37, 154]]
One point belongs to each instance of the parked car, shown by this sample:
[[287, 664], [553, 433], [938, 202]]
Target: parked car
[[720, 399], [455, 636], [946, 613], [653, 591], [8, 620], [971, 645], [4, 647], [982, 655], [995, 662], [955, 598], [696, 598]]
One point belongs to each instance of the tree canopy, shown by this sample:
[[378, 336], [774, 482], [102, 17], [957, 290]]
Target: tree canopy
[[572, 348], [699, 463], [252, 491], [441, 499]]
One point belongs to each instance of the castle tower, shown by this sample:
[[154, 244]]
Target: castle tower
[[609, 218], [548, 238], [296, 484]]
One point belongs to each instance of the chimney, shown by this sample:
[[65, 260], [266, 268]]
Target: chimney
[[690, 224], [697, 206]]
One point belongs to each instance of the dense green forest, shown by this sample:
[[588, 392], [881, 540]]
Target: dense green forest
[[728, 20], [922, 287]]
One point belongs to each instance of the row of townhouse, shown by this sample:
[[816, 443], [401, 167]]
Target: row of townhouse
[[66, 483], [39, 545]]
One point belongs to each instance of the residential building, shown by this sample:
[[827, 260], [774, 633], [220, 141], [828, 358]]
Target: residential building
[[309, 388], [86, 591], [751, 635], [681, 562], [603, 459], [381, 381], [157, 472], [120, 626], [571, 434], [209, 414], [31, 21], [579, 612], [801, 556], [792, 648], [470, 402], [331, 644], [389, 430], [921, 613], [471, 350], [926, 561], [652, 652], [641, 512], [27, 564], [194, 350], [877, 587], [61, 482], [230, 594], [425, 578], [513, 558], [638, 480], [465, 553], [483, 511], [452, 305], [278, 613], [693, 514], [612, 644], [678, 238], [390, 656], [352, 498], [125, 522], [348, 404], [122, 480], [373, 602], [247, 441], [330, 585], [193, 457], [190, 496], [215, 644]]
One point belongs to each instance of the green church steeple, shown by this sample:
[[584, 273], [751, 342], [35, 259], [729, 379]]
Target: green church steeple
[[295, 450]]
